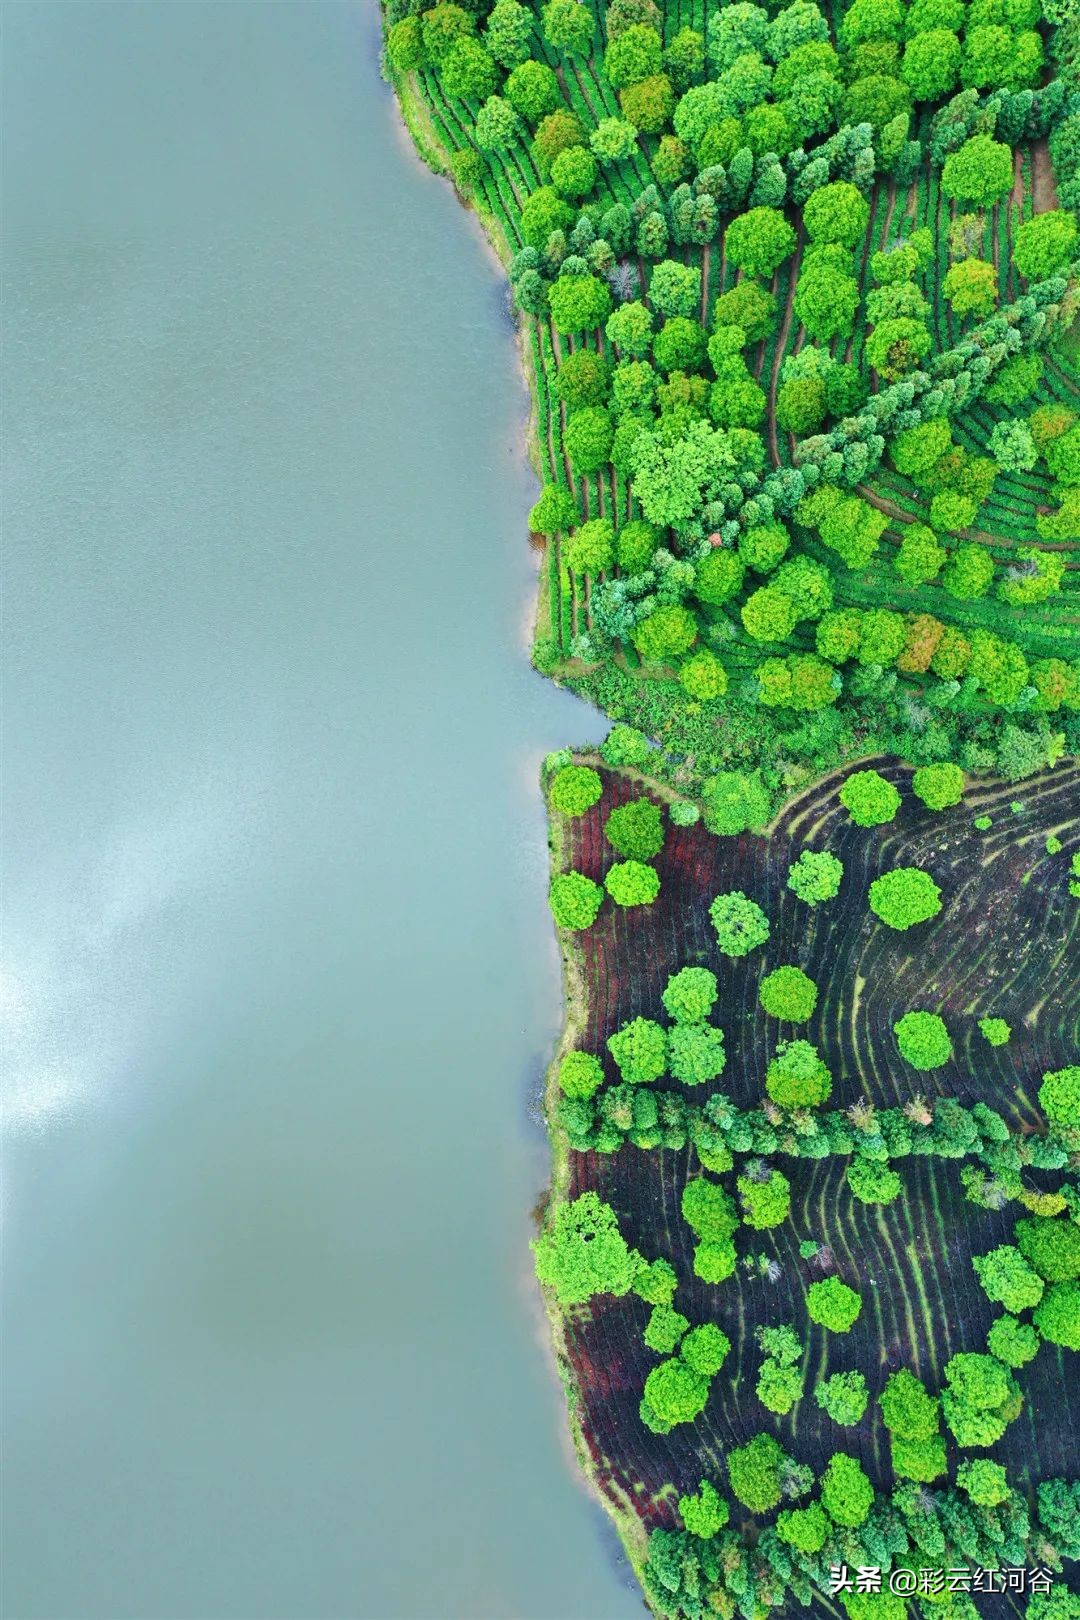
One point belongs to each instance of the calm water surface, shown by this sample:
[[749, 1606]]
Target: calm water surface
[[279, 980]]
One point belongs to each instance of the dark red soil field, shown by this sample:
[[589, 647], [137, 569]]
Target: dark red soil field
[[1005, 944]]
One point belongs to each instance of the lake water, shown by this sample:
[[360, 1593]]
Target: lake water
[[279, 976]]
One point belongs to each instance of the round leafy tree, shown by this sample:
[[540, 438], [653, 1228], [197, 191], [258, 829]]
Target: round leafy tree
[[984, 1481], [755, 1473], [815, 876], [938, 786], [583, 1253], [1007, 1278], [708, 1210], [575, 900], [635, 829], [846, 1493], [674, 1393], [765, 1196], [869, 799], [905, 896], [696, 1053], [1058, 1316], [690, 995], [1051, 1246], [1015, 1343], [979, 172], [995, 1030], [706, 1348], [806, 1529], [740, 923], [833, 1305], [788, 993], [797, 1077], [575, 789], [871, 1181], [631, 883], [705, 1513], [843, 1397], [664, 1329], [580, 1074], [714, 1262], [640, 1050], [1059, 1095], [923, 1040], [735, 802]]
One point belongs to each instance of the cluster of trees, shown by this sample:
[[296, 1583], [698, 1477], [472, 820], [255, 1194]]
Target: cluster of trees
[[635, 830]]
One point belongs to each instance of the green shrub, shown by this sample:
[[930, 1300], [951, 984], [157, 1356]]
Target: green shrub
[[907, 1410], [714, 1262], [696, 1053], [920, 1460], [575, 789], [706, 1348], [735, 802], [1007, 1278], [575, 900], [635, 829], [674, 1394], [905, 896], [995, 1031], [1059, 1095], [1051, 1246], [923, 1040], [806, 1529], [788, 993], [833, 1305], [869, 799]]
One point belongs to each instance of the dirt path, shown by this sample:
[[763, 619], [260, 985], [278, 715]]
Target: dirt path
[[1044, 195]]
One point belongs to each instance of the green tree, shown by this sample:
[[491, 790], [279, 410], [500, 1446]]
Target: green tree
[[579, 303], [468, 71], [704, 1514], [1059, 1095], [664, 1329], [591, 549], [759, 241], [995, 1031], [938, 786], [788, 993], [869, 799], [554, 513], [923, 1040], [613, 140], [754, 1471], [706, 1348], [984, 1481], [575, 789], [872, 1182], [905, 896], [580, 1074], [1015, 1343], [907, 1410], [1058, 1316], [735, 802], [843, 1397], [497, 124], [797, 1077], [1051, 1246], [837, 213], [846, 1493], [708, 1210], [718, 576], [971, 285], [633, 55], [703, 676], [1007, 1278], [779, 1386], [932, 64], [632, 883], [648, 105], [740, 923], [533, 90], [833, 1305], [509, 33], [640, 1050], [405, 45], [574, 172], [583, 1253], [765, 1197], [635, 829], [806, 1529], [664, 634], [748, 306], [1045, 245], [568, 26], [690, 995], [697, 1053], [815, 876], [674, 1394], [979, 172], [575, 900]]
